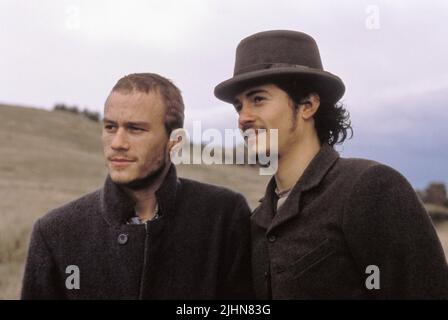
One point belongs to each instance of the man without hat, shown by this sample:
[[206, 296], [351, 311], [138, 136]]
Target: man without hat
[[147, 234], [327, 227]]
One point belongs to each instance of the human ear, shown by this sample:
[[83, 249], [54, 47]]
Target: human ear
[[177, 140], [310, 106]]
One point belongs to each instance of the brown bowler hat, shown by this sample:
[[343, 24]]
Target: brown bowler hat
[[279, 54]]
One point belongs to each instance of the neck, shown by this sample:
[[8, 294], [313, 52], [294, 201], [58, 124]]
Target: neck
[[293, 162], [145, 199]]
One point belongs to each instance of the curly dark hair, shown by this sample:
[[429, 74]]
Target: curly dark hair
[[332, 120]]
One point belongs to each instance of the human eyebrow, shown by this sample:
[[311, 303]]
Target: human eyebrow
[[136, 124], [254, 92], [128, 123], [105, 120]]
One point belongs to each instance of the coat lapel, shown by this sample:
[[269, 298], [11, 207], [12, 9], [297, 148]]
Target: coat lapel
[[117, 207], [264, 213], [313, 175]]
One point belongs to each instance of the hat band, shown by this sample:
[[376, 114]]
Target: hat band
[[261, 66]]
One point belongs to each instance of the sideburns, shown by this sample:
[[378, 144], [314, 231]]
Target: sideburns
[[295, 110]]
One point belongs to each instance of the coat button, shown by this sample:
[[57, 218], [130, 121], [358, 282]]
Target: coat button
[[122, 238], [272, 238]]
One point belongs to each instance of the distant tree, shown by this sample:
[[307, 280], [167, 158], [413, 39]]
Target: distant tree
[[435, 193], [92, 115], [73, 109], [60, 106]]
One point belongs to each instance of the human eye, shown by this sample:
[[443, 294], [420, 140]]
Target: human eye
[[258, 99], [109, 127], [135, 129]]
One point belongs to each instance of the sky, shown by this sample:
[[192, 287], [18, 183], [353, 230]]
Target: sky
[[391, 55]]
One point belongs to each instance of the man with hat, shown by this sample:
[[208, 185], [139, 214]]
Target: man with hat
[[327, 227]]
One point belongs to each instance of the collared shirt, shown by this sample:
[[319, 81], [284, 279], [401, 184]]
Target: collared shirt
[[281, 200], [136, 219]]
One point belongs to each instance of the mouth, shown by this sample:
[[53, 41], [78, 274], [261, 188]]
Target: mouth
[[120, 162], [256, 140], [251, 133]]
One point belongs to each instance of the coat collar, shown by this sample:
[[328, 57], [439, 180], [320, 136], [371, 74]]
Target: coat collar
[[117, 207], [312, 176]]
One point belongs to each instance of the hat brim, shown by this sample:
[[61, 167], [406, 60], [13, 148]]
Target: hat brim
[[328, 85]]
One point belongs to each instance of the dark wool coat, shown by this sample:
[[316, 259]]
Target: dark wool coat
[[198, 249], [342, 216]]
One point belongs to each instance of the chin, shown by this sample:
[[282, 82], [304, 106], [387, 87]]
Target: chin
[[120, 177]]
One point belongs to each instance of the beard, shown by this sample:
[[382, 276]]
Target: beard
[[148, 180]]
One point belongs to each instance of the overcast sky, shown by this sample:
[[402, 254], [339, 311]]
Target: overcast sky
[[391, 55]]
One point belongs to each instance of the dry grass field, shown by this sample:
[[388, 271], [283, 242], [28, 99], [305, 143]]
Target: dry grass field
[[49, 158]]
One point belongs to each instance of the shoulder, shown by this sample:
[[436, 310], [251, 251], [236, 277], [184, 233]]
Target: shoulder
[[381, 191], [375, 175], [70, 214], [355, 166], [369, 172]]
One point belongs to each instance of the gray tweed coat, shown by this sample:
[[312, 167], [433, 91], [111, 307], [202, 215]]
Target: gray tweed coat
[[198, 249], [341, 217]]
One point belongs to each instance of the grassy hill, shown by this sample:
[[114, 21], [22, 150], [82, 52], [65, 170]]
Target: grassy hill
[[49, 158]]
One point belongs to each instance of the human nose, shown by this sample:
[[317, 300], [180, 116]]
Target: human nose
[[120, 140], [245, 117]]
